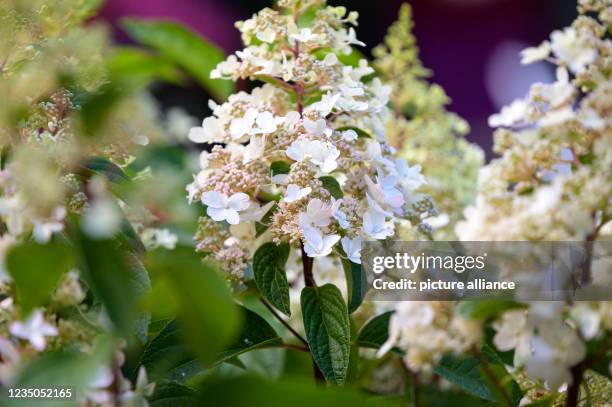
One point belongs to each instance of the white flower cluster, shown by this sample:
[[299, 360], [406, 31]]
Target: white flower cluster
[[552, 182], [305, 154], [427, 330], [548, 345]]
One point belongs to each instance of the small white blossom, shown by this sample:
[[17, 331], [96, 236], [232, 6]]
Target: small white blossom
[[211, 131], [222, 208], [33, 329], [317, 213], [533, 54], [317, 128], [376, 226], [295, 193], [315, 243], [573, 50]]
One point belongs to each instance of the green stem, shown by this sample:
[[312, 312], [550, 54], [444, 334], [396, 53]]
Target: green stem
[[282, 321], [493, 378]]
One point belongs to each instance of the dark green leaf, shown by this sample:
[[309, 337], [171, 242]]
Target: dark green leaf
[[208, 317], [375, 332], [167, 357], [186, 48], [465, 373], [280, 167], [36, 270], [109, 274], [331, 184], [269, 270], [130, 239], [108, 169], [255, 333], [171, 394], [327, 328], [356, 284]]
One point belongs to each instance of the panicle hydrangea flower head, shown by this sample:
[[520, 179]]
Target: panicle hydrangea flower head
[[552, 182], [305, 156], [423, 131]]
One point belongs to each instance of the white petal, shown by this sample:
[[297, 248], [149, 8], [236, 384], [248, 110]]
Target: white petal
[[239, 201], [198, 135], [218, 214], [232, 217], [214, 199]]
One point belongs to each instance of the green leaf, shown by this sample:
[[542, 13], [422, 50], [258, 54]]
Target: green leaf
[[485, 309], [36, 269], [137, 68], [108, 169], [262, 225], [326, 322], [97, 106], [207, 314], [270, 278], [465, 373], [375, 332], [186, 48], [255, 333], [331, 184], [360, 132], [280, 167], [113, 278], [171, 394], [356, 284], [167, 357], [468, 373], [255, 391]]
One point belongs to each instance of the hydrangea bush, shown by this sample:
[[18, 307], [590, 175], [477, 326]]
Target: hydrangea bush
[[251, 292]]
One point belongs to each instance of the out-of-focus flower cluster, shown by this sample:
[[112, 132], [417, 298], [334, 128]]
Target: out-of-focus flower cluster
[[423, 131], [305, 159], [49, 64], [427, 330], [552, 182]]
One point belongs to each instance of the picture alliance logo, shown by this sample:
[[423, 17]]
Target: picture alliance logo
[[438, 262]]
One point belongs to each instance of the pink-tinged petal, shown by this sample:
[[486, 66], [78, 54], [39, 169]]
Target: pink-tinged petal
[[38, 341]]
